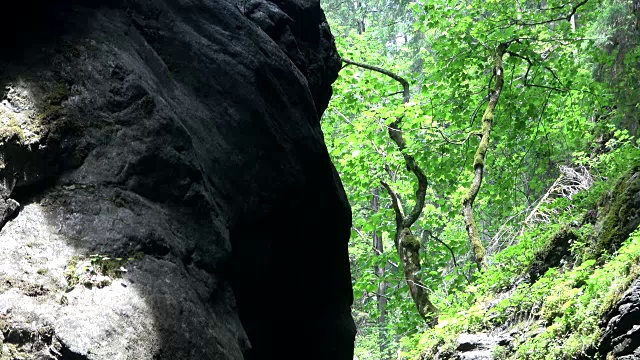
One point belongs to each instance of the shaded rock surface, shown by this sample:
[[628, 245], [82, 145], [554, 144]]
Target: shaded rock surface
[[556, 254], [619, 212], [165, 191], [479, 346], [621, 336]]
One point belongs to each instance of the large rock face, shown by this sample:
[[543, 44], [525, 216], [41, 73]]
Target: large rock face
[[165, 192], [621, 338]]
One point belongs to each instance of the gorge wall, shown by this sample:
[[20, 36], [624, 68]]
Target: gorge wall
[[165, 192]]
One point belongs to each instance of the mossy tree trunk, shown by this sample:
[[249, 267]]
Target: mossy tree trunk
[[479, 160], [407, 245]]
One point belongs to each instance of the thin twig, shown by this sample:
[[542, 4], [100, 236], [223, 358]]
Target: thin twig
[[566, 18]]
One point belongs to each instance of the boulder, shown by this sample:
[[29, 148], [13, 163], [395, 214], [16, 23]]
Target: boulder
[[176, 199], [479, 346]]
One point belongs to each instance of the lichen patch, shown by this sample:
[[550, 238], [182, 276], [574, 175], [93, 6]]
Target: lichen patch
[[18, 116]]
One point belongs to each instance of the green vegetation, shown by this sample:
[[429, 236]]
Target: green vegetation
[[12, 351], [96, 270], [489, 152], [12, 130], [569, 302], [25, 126]]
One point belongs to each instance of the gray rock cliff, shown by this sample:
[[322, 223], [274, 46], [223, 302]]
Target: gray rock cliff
[[621, 338], [165, 191]]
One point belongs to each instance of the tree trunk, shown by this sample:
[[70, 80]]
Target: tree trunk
[[408, 247], [479, 159], [378, 247]]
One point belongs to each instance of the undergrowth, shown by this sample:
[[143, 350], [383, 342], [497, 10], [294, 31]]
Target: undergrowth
[[563, 309], [558, 315]]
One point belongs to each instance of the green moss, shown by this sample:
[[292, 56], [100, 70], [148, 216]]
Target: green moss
[[500, 353], [12, 132], [555, 248], [439, 345], [575, 326], [478, 160], [11, 351], [71, 272], [569, 302], [26, 346], [108, 266], [49, 113], [614, 228], [411, 242], [557, 304], [564, 305], [96, 270], [559, 238], [614, 296], [580, 246], [42, 271]]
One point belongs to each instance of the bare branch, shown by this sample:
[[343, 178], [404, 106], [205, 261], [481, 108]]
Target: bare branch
[[526, 75], [394, 93], [397, 206], [453, 256], [565, 18], [570, 182], [475, 112], [400, 79], [462, 142], [396, 134], [343, 116]]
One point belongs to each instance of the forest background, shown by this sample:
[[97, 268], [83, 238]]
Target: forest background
[[472, 138]]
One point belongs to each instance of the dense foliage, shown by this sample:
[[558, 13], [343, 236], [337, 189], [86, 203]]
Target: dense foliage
[[561, 132]]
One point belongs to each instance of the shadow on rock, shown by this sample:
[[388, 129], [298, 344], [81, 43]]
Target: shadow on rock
[[165, 190]]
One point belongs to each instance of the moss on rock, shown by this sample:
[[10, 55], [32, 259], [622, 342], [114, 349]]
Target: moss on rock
[[622, 214], [556, 250], [10, 130]]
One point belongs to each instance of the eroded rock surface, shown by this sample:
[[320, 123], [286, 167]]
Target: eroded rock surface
[[621, 339], [479, 346], [176, 199]]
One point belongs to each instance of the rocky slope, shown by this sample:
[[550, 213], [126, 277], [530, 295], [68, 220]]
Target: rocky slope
[[577, 298], [621, 339], [165, 190]]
